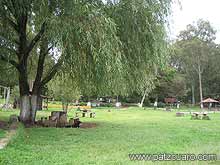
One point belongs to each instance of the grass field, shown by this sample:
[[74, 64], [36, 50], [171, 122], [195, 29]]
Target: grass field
[[118, 133], [2, 133], [2, 101]]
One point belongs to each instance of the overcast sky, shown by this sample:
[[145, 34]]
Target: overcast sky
[[192, 10]]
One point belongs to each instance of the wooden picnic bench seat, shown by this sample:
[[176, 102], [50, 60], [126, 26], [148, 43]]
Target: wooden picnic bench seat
[[200, 116], [180, 114]]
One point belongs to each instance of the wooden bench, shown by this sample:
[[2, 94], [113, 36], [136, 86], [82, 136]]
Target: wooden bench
[[205, 117], [84, 114], [74, 122], [199, 116], [180, 114], [92, 114], [168, 109]]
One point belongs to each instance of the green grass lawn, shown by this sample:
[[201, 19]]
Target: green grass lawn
[[2, 101], [118, 133], [2, 133]]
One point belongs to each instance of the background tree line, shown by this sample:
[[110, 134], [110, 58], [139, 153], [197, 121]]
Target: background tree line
[[195, 60]]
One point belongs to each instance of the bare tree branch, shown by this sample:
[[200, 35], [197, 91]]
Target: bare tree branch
[[52, 72], [8, 41], [12, 62], [36, 38], [13, 24], [8, 49], [40, 69]]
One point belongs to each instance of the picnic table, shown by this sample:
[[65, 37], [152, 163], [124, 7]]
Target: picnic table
[[200, 116], [85, 113], [180, 114]]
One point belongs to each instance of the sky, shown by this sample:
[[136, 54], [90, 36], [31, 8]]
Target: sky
[[189, 11]]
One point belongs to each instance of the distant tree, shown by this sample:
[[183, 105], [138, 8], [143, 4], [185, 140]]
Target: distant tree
[[211, 77], [146, 88], [64, 89], [8, 75], [193, 49], [8, 79], [170, 83]]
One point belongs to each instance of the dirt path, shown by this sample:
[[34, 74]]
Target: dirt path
[[4, 141], [88, 125], [10, 133]]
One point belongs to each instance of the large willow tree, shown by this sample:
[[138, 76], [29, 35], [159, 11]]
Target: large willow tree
[[106, 47], [141, 30]]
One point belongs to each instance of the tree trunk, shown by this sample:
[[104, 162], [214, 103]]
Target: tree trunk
[[65, 106], [4, 96], [25, 106], [39, 103], [34, 101], [193, 95], [37, 85], [143, 98], [7, 97], [29, 107], [200, 86], [23, 50], [25, 101]]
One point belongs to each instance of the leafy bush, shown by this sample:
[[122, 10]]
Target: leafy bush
[[107, 105], [161, 105], [82, 104]]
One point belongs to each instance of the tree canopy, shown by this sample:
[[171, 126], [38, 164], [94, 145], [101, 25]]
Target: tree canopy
[[194, 54], [105, 47]]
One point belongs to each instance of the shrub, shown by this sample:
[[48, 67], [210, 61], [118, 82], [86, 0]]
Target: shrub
[[107, 105], [161, 105], [82, 104]]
